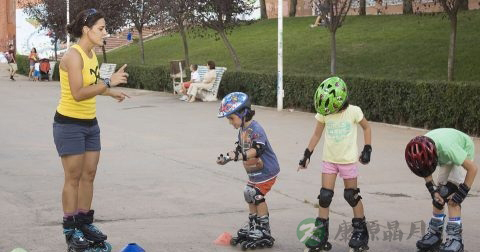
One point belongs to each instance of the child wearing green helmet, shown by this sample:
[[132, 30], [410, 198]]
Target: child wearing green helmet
[[339, 120], [261, 164]]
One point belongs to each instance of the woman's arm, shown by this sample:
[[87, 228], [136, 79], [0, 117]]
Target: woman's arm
[[210, 77], [73, 64]]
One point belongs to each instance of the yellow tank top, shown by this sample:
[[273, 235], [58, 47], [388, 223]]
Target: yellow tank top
[[85, 109]]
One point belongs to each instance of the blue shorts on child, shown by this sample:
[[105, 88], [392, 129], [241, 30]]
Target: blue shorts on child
[[36, 73]]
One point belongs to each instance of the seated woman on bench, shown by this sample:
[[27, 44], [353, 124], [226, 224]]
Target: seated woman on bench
[[207, 82]]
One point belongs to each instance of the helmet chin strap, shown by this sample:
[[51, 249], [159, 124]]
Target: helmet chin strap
[[242, 116]]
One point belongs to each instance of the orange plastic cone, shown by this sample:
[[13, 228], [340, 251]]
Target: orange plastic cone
[[223, 239]]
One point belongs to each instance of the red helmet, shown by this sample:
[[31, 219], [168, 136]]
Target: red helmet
[[421, 156]]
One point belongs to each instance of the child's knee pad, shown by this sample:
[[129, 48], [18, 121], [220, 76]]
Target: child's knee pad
[[352, 196], [325, 197], [253, 195]]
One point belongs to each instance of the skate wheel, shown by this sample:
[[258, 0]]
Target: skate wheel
[[361, 249], [270, 244], [107, 247], [244, 245], [328, 246]]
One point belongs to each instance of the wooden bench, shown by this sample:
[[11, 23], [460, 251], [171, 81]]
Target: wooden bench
[[210, 94]]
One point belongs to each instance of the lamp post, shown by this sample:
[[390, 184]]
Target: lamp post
[[280, 91], [68, 22]]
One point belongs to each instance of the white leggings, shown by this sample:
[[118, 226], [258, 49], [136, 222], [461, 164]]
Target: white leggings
[[195, 87]]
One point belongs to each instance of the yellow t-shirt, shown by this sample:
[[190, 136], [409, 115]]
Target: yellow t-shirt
[[341, 135], [85, 109]]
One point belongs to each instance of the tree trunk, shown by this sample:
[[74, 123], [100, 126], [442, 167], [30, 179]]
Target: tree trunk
[[55, 48], [407, 7], [363, 8], [293, 8], [233, 53], [185, 44], [263, 10], [142, 50], [333, 54], [451, 50], [463, 4], [104, 52]]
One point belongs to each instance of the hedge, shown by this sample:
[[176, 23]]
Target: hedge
[[147, 77], [425, 104]]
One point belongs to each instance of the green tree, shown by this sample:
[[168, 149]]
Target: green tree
[[51, 15], [362, 9], [451, 8], [407, 6], [263, 10], [292, 8], [180, 15], [222, 16], [333, 12], [141, 13]]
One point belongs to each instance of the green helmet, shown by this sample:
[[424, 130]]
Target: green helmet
[[330, 96]]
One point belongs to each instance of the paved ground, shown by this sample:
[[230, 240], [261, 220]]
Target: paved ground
[[158, 184]]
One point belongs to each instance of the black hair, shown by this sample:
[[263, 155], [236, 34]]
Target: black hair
[[345, 105], [249, 114], [85, 18], [34, 49], [195, 67], [211, 64]]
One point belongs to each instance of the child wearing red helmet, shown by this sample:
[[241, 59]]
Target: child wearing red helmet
[[453, 151]]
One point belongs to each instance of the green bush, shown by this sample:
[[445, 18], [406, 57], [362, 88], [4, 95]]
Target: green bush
[[155, 78], [23, 64], [413, 103], [56, 73]]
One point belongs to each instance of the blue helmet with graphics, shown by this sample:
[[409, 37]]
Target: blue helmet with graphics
[[234, 103]]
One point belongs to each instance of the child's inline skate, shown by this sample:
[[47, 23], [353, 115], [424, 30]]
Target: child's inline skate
[[318, 241], [260, 236], [242, 233], [359, 240], [431, 241], [454, 241]]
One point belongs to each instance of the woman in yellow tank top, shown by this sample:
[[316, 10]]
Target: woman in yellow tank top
[[75, 128]]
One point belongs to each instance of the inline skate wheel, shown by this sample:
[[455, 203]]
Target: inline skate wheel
[[244, 245], [361, 249]]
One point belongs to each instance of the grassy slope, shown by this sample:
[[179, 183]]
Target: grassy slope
[[398, 47]]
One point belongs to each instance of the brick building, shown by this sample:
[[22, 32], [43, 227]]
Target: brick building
[[7, 23], [386, 7]]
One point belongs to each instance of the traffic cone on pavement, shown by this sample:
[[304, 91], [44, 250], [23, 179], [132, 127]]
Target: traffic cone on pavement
[[223, 239], [132, 247]]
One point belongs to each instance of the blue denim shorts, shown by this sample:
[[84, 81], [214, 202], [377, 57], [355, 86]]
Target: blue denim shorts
[[73, 139]]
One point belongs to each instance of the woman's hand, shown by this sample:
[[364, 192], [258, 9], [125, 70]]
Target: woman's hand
[[118, 95], [120, 77]]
